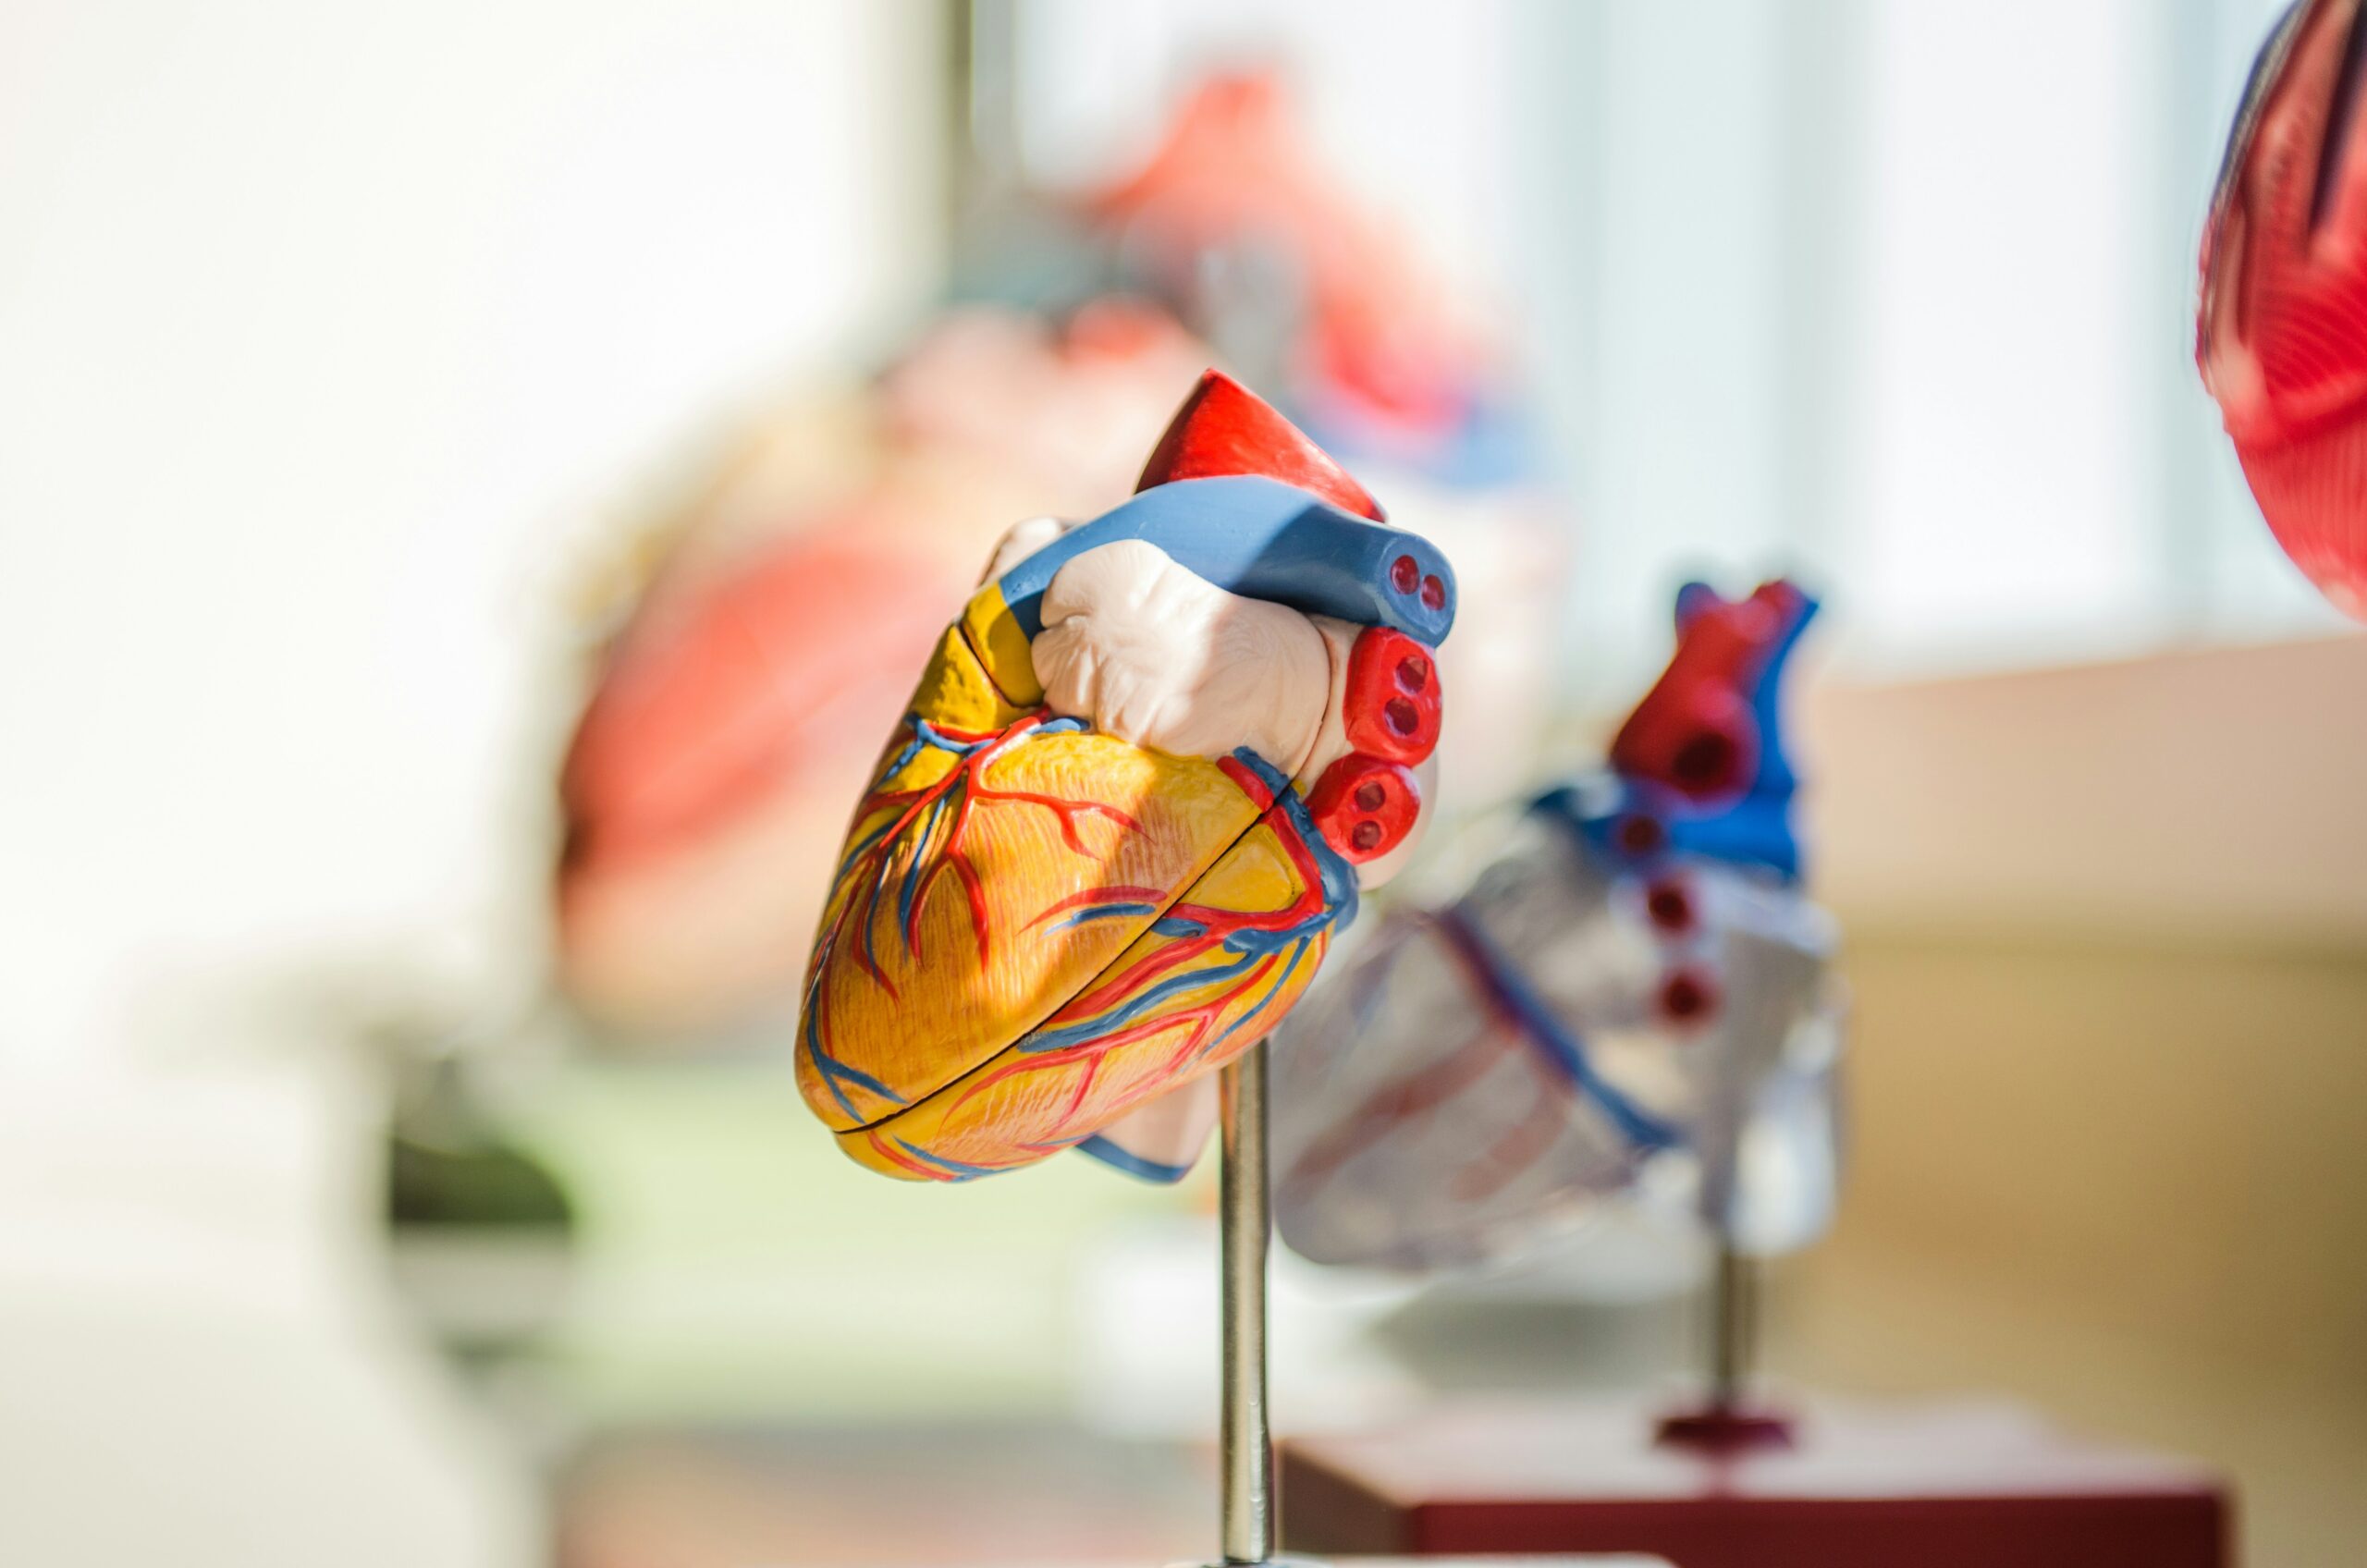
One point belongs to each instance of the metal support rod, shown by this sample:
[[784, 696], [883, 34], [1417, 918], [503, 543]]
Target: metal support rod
[[1245, 1221], [1733, 1328]]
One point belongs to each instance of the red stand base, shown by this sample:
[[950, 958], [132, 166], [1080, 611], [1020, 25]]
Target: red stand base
[[1833, 1487], [1715, 1431]]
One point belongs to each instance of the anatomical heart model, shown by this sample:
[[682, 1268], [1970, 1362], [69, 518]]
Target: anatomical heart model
[[1632, 992], [1131, 800], [2282, 340]]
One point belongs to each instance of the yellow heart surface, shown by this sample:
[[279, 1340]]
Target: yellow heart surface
[[1034, 927]]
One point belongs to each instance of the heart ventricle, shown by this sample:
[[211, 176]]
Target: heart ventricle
[[1036, 927]]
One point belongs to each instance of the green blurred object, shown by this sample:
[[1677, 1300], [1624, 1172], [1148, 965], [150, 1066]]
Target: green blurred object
[[729, 1265], [477, 1183], [480, 1231]]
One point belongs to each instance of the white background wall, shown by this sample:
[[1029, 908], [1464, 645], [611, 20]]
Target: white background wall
[[324, 327], [320, 325]]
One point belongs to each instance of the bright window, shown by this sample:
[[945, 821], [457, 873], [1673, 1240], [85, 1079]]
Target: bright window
[[1896, 294]]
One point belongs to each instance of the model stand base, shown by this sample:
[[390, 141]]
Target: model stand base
[[1831, 1485]]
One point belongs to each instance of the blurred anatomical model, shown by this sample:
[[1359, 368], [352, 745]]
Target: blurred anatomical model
[[735, 712], [2282, 338], [1628, 997]]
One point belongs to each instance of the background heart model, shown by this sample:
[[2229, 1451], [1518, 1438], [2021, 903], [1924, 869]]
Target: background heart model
[[2282, 336], [1140, 783]]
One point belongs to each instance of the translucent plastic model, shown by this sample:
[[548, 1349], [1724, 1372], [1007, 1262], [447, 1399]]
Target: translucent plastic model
[[1629, 995]]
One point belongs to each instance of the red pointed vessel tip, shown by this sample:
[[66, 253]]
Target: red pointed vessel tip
[[1224, 430]]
